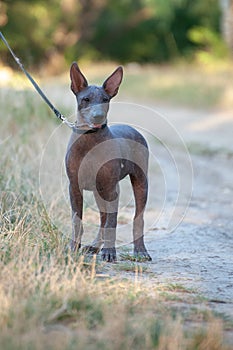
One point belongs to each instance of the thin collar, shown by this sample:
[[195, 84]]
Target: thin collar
[[90, 131]]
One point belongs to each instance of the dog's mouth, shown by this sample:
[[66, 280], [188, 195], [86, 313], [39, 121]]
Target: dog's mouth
[[96, 126]]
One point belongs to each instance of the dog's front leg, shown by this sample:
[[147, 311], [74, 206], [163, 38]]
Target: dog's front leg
[[99, 240], [76, 199], [108, 251], [111, 201]]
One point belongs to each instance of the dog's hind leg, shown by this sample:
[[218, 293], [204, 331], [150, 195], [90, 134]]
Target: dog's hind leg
[[140, 189]]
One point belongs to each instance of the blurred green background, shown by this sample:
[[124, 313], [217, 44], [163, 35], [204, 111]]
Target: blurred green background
[[56, 32]]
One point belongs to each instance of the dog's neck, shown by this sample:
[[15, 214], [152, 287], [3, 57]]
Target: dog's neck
[[86, 130]]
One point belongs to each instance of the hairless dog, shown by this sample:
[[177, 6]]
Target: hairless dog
[[97, 158]]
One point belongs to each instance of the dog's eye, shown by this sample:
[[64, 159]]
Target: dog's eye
[[105, 99], [86, 99]]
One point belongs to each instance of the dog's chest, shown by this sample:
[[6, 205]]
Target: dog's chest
[[94, 163]]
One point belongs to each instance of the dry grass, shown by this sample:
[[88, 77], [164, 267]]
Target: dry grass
[[51, 299], [198, 85], [192, 85]]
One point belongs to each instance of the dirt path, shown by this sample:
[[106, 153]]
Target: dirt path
[[199, 253]]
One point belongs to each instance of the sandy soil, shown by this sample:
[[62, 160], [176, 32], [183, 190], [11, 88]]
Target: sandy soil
[[199, 252]]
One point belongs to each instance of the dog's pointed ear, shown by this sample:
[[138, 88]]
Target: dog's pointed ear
[[112, 83], [78, 81]]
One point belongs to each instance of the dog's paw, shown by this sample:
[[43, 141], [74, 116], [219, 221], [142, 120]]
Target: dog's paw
[[109, 254], [74, 246], [89, 249], [141, 254]]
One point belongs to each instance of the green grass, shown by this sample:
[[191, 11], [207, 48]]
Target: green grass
[[52, 299]]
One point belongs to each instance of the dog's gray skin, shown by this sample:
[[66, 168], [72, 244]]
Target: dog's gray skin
[[98, 158]]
